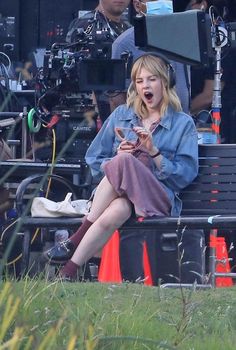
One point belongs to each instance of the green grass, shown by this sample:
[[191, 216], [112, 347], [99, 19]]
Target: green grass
[[40, 315]]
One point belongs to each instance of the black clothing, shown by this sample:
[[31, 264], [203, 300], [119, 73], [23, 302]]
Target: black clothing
[[93, 21], [163, 256], [198, 76], [228, 98]]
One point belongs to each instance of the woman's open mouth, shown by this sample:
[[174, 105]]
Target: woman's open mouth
[[148, 95]]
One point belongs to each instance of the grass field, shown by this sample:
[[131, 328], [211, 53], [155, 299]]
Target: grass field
[[40, 315]]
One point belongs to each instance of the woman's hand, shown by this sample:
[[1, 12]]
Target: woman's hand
[[126, 146], [145, 138]]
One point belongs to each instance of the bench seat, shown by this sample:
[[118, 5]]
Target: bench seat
[[209, 203]]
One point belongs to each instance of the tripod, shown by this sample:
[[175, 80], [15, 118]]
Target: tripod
[[216, 100]]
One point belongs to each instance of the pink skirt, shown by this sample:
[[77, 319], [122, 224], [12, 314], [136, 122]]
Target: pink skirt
[[132, 178]]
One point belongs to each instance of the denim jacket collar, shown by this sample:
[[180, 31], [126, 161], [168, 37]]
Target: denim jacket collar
[[165, 122]]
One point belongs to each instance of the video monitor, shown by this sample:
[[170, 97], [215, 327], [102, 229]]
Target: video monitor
[[101, 74], [184, 36]]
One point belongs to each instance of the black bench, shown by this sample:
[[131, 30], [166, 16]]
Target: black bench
[[209, 203]]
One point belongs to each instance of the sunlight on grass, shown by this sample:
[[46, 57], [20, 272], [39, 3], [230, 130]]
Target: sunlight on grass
[[36, 314]]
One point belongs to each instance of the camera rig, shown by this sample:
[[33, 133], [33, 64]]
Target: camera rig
[[70, 71], [70, 75]]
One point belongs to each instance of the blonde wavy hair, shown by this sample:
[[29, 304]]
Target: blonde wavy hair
[[156, 66]]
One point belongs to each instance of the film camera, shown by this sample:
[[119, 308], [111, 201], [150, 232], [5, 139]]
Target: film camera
[[70, 73], [86, 62]]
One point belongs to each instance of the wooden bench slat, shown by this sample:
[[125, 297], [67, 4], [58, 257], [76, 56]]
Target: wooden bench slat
[[220, 161], [208, 187], [201, 205], [202, 196], [222, 178], [215, 171], [201, 221], [225, 151]]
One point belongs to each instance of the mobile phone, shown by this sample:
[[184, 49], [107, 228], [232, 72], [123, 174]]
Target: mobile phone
[[119, 133]]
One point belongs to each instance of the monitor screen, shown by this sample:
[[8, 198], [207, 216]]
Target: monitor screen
[[168, 35], [101, 74], [180, 5]]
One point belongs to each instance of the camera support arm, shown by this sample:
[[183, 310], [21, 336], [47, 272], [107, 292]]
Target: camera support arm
[[219, 39]]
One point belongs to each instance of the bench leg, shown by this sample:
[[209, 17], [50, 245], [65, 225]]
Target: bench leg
[[25, 253], [212, 258], [186, 285]]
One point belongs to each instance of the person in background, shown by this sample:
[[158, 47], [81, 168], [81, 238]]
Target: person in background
[[202, 5], [202, 84], [107, 16], [202, 79], [126, 43], [145, 153], [228, 97], [228, 110]]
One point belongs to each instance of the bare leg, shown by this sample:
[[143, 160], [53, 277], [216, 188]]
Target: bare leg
[[97, 235], [103, 196]]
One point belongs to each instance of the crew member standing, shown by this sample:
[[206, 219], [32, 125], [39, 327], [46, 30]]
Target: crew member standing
[[109, 16]]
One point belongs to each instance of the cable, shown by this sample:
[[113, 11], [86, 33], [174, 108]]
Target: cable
[[20, 255], [31, 122], [47, 192], [8, 58], [3, 233], [53, 160]]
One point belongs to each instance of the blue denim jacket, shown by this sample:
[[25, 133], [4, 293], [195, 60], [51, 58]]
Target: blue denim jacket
[[175, 137]]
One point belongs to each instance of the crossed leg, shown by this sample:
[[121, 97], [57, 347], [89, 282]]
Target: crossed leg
[[103, 197], [118, 211]]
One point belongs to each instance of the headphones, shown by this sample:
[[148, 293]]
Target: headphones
[[170, 69]]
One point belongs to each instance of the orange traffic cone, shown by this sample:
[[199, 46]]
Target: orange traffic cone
[[222, 263], [109, 270], [146, 267]]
